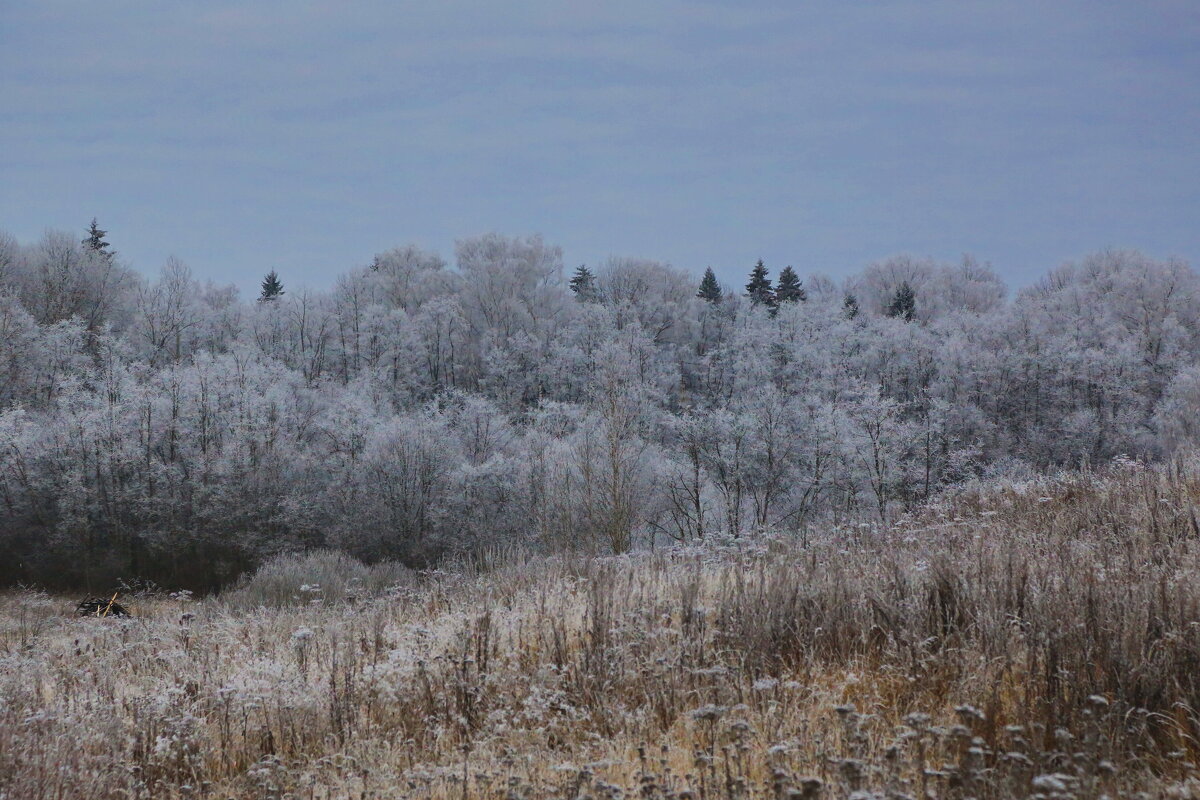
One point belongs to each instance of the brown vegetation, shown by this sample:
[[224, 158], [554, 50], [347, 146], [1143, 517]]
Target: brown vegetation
[[1038, 640]]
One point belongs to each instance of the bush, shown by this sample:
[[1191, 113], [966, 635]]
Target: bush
[[316, 576]]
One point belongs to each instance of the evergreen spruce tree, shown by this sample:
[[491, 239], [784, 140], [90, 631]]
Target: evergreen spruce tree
[[789, 288], [95, 241], [850, 307], [904, 304], [272, 287], [758, 289], [583, 284], [710, 290]]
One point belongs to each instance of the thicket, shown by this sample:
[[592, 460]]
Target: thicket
[[164, 429]]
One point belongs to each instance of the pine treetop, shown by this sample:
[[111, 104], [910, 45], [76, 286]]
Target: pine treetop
[[95, 240], [583, 283], [904, 304], [789, 288], [758, 288], [850, 306], [710, 290], [272, 287]]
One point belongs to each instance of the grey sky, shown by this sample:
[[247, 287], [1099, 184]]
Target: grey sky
[[307, 136]]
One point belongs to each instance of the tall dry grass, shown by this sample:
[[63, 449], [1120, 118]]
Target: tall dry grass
[[1036, 640]]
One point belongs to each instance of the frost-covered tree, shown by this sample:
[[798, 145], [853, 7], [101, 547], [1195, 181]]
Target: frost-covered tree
[[410, 276], [169, 313], [649, 294], [60, 277], [511, 285], [1177, 416]]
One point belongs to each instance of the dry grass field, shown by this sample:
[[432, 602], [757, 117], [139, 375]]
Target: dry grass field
[[1038, 640]]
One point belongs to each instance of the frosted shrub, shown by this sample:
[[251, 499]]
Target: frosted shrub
[[323, 576]]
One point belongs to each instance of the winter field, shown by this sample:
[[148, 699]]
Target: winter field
[[1034, 639], [484, 531], [839, 440]]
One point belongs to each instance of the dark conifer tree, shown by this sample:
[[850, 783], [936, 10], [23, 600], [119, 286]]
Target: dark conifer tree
[[789, 288], [272, 287], [758, 288], [710, 290], [583, 284], [95, 241], [850, 306], [904, 304]]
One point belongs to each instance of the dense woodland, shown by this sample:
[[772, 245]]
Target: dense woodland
[[165, 428]]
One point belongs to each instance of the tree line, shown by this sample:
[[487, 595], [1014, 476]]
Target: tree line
[[163, 428]]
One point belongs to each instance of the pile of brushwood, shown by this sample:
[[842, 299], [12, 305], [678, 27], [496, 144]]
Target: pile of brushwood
[[100, 607]]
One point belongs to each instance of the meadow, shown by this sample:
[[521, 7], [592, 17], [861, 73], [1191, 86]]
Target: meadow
[[1016, 639]]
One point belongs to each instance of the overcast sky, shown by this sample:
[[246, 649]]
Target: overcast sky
[[306, 136]]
